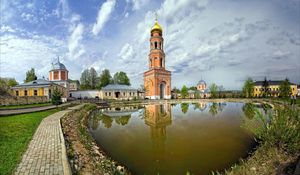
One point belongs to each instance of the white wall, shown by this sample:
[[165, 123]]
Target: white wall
[[85, 94]]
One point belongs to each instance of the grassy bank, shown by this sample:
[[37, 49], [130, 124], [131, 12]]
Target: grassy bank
[[84, 155], [279, 148], [25, 106], [16, 132]]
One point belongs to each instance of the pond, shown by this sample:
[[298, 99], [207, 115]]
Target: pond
[[174, 138]]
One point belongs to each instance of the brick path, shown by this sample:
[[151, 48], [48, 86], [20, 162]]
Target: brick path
[[46, 152]]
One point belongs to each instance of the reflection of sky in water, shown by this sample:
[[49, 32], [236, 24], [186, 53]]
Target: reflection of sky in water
[[171, 139]]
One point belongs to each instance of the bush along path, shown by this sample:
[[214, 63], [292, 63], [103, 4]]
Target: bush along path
[[46, 152], [85, 157]]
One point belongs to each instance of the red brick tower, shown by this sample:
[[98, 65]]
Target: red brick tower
[[157, 80]]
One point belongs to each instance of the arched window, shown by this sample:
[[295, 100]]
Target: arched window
[[150, 62], [160, 61], [155, 45]]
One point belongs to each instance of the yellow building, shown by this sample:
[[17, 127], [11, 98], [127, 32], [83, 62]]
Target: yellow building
[[39, 87], [273, 88]]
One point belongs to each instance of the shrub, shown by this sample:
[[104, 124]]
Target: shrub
[[281, 129]]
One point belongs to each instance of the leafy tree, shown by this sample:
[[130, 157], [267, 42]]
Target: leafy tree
[[56, 97], [220, 89], [85, 79], [6, 84], [184, 91], [92, 78], [30, 75], [12, 82], [121, 78], [105, 79], [265, 87], [176, 90], [285, 88], [213, 90], [248, 88], [193, 88]]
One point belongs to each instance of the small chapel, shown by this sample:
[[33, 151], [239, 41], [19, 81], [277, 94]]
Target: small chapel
[[157, 80]]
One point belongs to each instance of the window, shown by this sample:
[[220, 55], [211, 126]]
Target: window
[[109, 94], [155, 45], [35, 93], [124, 93], [150, 62], [133, 93], [105, 93], [17, 93], [25, 92], [129, 93], [160, 62]]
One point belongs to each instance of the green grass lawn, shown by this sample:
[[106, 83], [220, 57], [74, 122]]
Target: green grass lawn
[[15, 133], [25, 106]]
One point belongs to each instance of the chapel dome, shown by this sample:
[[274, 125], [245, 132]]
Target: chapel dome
[[58, 66], [156, 27]]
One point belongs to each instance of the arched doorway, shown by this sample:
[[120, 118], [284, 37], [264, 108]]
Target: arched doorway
[[162, 90]]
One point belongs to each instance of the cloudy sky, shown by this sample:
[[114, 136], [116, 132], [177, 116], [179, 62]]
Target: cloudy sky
[[223, 41]]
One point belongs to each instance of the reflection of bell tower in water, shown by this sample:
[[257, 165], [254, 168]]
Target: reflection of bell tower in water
[[158, 117], [157, 80]]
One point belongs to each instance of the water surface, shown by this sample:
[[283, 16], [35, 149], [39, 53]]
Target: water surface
[[173, 138]]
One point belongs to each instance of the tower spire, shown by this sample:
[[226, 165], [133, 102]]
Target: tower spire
[[156, 16]]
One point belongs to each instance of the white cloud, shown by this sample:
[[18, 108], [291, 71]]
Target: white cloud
[[62, 9], [76, 49], [29, 18], [137, 4], [126, 52], [19, 54], [104, 14], [172, 8], [5, 29]]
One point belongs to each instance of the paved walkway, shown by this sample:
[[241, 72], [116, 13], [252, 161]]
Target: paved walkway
[[46, 153], [4, 112]]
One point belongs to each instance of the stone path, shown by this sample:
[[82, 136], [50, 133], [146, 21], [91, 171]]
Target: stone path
[[46, 153], [4, 112]]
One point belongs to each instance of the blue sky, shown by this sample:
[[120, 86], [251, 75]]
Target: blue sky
[[223, 41]]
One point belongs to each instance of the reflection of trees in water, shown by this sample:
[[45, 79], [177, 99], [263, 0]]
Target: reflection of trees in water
[[196, 106], [106, 120], [249, 110], [184, 107], [221, 106], [123, 120], [213, 109], [95, 121]]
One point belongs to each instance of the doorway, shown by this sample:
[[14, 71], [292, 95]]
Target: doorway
[[117, 94], [162, 88]]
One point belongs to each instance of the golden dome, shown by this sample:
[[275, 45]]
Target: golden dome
[[156, 27]]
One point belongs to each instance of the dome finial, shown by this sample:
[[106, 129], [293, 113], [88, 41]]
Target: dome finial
[[58, 59], [156, 25]]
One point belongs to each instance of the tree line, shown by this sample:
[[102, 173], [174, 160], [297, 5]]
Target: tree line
[[215, 91], [91, 80]]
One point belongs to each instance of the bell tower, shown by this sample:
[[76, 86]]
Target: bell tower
[[157, 80]]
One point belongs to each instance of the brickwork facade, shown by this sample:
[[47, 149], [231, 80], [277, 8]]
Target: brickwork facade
[[157, 80]]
